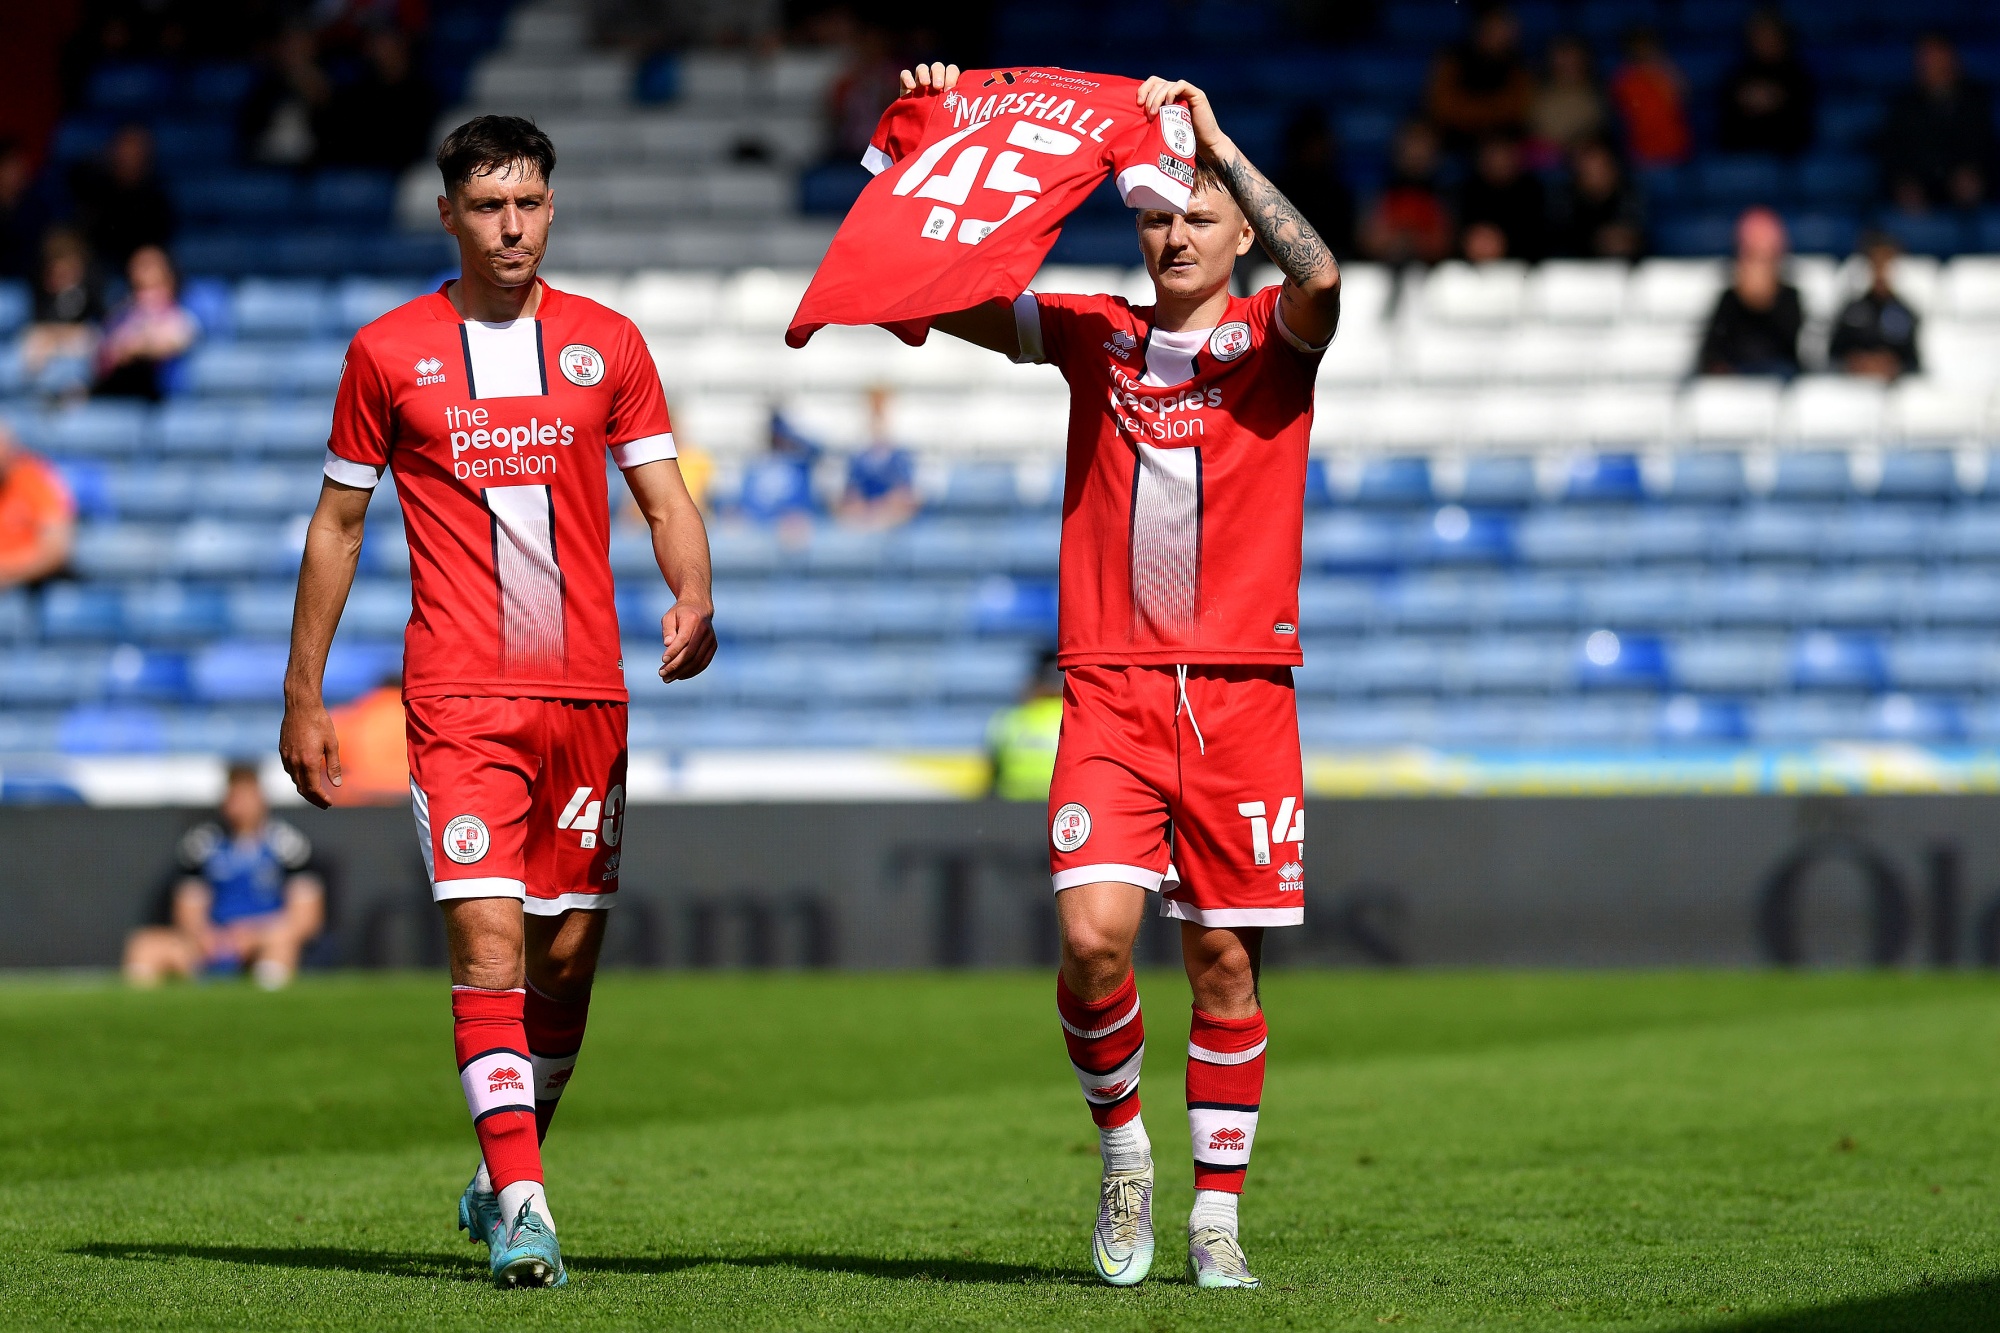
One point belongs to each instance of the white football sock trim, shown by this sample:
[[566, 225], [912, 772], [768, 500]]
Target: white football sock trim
[[1130, 1014]]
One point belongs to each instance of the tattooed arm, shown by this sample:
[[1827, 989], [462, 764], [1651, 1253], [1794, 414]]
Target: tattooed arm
[[1310, 305]]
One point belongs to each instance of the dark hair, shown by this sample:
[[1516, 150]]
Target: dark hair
[[485, 144], [242, 770]]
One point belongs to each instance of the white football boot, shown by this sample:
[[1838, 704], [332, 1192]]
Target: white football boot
[[1121, 1249]]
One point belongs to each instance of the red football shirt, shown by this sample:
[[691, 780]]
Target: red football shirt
[[1184, 496], [972, 186], [496, 434]]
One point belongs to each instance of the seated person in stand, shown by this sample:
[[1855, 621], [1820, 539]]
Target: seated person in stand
[[1600, 213], [62, 336], [1756, 324], [778, 488], [146, 332], [248, 897], [1876, 334], [881, 483]]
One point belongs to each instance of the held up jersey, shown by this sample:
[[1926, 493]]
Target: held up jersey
[[972, 186], [1184, 495], [496, 434]]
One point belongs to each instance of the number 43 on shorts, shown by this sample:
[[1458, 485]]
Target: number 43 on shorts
[[589, 817], [1289, 826]]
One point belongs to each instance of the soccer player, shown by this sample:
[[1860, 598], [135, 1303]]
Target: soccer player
[[1178, 770], [493, 400]]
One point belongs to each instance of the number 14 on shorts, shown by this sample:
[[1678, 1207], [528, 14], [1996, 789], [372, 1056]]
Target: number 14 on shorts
[[1288, 826]]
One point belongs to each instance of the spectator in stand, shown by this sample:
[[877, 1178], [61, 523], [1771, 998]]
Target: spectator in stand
[[382, 119], [1502, 212], [248, 897], [1409, 221], [1651, 96], [146, 332], [1937, 147], [881, 480], [24, 214], [1756, 324], [1309, 175], [1481, 86], [277, 123], [1599, 214], [1568, 108], [1768, 99], [1876, 334], [120, 203], [37, 515], [374, 752], [778, 487], [57, 349]]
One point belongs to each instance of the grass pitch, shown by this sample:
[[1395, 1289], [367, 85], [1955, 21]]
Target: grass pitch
[[1761, 1154]]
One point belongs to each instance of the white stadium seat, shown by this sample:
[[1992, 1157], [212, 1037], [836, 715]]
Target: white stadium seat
[[1443, 355], [1359, 356], [722, 423], [1971, 289], [1407, 422], [1517, 420], [1461, 293], [1544, 354], [1819, 282], [604, 288], [1364, 293], [1657, 352], [1834, 409], [1079, 280], [1730, 410], [1578, 291], [763, 298], [1967, 354], [1623, 416], [1927, 409], [1675, 291], [664, 299]]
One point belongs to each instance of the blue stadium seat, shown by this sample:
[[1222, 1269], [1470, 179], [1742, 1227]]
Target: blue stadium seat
[[1572, 537], [1515, 664], [106, 427], [1755, 597], [150, 492], [1822, 233], [295, 428], [1943, 662], [1454, 535], [740, 549], [1387, 665], [1688, 719], [358, 301], [17, 615], [1015, 606], [82, 611], [1859, 597], [1903, 717], [1882, 532], [182, 143], [1677, 534], [1777, 532], [236, 369], [1918, 474], [1401, 482], [171, 610], [259, 610], [1835, 178], [281, 308], [129, 87], [357, 196], [1825, 660], [1373, 726], [1658, 599], [119, 729], [1343, 541], [988, 672], [121, 550], [1849, 124], [236, 197], [1806, 719], [1706, 478], [1970, 532], [976, 488], [1738, 181], [377, 609], [1499, 482], [218, 85], [213, 548], [1959, 597], [1812, 475], [1927, 233], [15, 306], [1335, 604], [1537, 599], [1601, 478], [1433, 601], [46, 676], [189, 426], [1731, 663], [1607, 660]]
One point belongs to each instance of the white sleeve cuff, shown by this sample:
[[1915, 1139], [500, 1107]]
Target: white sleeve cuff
[[876, 160], [1278, 318], [1146, 186], [651, 449], [350, 473], [1028, 329]]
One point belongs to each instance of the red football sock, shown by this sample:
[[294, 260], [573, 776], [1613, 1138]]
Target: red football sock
[[1107, 1042], [1225, 1082], [555, 1035], [494, 1068]]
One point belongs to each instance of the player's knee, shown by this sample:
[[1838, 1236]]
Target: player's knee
[[1095, 955]]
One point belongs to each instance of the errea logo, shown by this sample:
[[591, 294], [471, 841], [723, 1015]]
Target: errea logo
[[430, 370]]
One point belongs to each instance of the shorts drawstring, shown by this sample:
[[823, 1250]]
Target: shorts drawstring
[[1180, 679]]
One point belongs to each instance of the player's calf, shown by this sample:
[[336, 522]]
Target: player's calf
[[555, 1035]]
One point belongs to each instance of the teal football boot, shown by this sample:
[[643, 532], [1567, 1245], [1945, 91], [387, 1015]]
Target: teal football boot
[[528, 1256], [479, 1213], [1121, 1247]]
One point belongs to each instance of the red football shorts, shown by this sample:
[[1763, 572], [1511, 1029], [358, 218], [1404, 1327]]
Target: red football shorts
[[519, 798], [1196, 795]]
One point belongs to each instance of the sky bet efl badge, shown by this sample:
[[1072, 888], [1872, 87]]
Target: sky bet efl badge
[[581, 364]]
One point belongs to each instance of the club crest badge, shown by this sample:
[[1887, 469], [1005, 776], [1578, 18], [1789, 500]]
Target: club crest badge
[[582, 364], [1071, 829], [465, 839], [1230, 341]]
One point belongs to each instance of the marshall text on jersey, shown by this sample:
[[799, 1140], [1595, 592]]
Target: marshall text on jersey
[[972, 186], [496, 434]]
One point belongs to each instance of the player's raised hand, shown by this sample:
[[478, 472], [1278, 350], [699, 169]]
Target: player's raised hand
[[310, 751], [1156, 92], [688, 636], [928, 79]]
